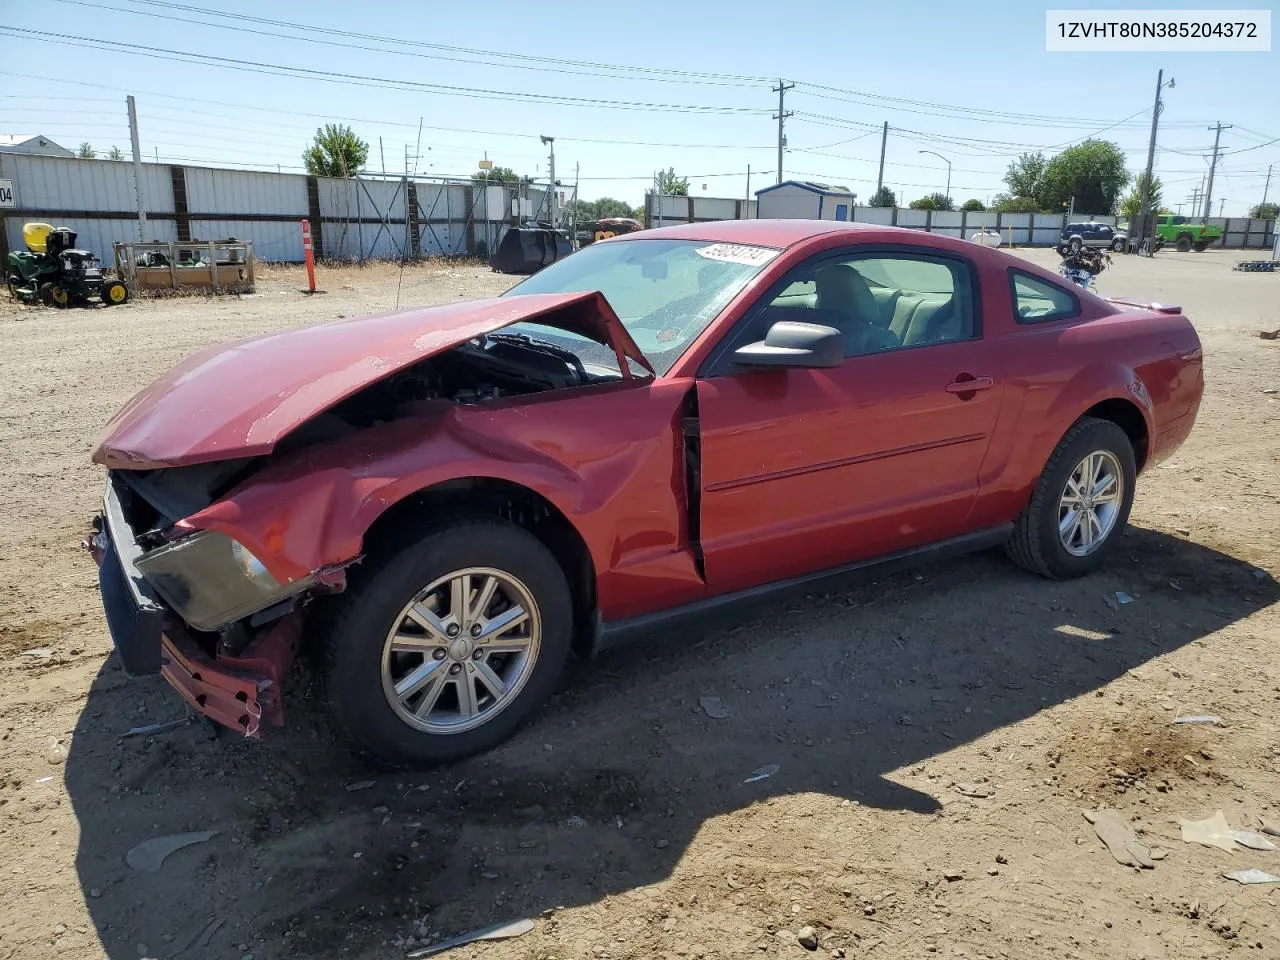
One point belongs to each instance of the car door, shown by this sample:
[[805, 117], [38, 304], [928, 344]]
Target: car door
[[804, 469]]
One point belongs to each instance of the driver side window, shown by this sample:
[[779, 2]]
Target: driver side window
[[880, 302]]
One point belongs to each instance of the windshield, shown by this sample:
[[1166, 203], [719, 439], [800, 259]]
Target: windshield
[[665, 292]]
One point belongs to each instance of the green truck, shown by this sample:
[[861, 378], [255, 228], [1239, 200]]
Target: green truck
[[1185, 234]]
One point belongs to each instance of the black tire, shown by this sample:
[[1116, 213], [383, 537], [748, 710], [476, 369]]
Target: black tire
[[1202, 246], [114, 292], [1075, 244], [1184, 243], [379, 590], [46, 294], [1035, 544], [1118, 246]]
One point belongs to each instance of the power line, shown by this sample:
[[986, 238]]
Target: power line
[[331, 76], [370, 120], [347, 45]]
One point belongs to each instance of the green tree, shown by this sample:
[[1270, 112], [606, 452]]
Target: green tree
[[86, 151], [884, 197], [1025, 176], [1131, 205], [934, 201], [1265, 211], [115, 154], [335, 152], [672, 186], [499, 175], [1005, 203], [973, 205], [1092, 173]]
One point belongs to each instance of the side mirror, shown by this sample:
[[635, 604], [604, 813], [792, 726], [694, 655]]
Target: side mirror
[[790, 343]]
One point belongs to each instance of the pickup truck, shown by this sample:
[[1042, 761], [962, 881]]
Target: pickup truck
[[1186, 234]]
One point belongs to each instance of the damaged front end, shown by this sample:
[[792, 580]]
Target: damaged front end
[[197, 608]]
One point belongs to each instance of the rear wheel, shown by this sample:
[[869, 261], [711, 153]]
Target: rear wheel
[[1080, 504], [13, 282], [114, 292], [1184, 243], [1117, 246], [1075, 245], [446, 646]]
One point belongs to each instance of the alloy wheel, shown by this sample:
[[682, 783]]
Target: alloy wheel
[[1090, 503], [461, 650]]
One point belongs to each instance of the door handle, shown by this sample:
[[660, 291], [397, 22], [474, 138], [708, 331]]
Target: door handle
[[971, 385]]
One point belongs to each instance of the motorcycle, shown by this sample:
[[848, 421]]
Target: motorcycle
[[1083, 266]]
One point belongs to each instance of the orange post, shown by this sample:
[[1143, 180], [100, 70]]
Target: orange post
[[306, 251]]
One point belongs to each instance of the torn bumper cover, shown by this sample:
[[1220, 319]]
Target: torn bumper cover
[[238, 691]]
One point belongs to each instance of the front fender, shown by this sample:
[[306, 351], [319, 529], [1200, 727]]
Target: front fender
[[310, 511]]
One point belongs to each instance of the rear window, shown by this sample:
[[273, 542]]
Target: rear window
[[1038, 301]]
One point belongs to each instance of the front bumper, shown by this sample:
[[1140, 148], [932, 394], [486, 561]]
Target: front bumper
[[237, 691]]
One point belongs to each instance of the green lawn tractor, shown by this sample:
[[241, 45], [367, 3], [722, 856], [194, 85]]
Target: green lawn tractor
[[53, 271]]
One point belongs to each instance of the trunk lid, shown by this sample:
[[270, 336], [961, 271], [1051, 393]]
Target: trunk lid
[[240, 399]]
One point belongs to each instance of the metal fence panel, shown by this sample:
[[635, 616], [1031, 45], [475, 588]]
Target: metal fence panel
[[880, 215], [273, 240], [245, 191], [58, 183]]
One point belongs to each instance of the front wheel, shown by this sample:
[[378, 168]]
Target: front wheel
[[59, 296], [1202, 246], [444, 648], [1080, 504], [1075, 245], [114, 292]]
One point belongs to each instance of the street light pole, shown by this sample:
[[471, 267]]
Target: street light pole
[[948, 163]]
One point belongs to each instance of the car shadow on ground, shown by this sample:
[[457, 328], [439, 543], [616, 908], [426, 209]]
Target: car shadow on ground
[[605, 789]]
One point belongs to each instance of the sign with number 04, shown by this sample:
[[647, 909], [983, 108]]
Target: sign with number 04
[[6, 194]]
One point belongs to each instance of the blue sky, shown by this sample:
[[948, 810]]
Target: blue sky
[[983, 87]]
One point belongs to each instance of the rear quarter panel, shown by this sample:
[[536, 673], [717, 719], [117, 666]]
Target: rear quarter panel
[[1055, 372]]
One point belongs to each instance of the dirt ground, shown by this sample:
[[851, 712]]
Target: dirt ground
[[620, 820]]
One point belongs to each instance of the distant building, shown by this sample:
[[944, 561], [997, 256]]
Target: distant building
[[805, 200], [32, 143]]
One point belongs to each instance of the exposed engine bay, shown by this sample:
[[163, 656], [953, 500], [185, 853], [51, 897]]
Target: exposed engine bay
[[492, 367]]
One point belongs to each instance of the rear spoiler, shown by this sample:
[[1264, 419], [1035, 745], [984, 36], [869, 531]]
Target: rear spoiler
[[1153, 307]]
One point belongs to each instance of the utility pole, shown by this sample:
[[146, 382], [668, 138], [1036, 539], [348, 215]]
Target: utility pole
[[746, 211], [1208, 190], [1148, 221], [551, 142], [383, 155], [781, 116], [137, 167], [1267, 186], [884, 140], [1220, 205]]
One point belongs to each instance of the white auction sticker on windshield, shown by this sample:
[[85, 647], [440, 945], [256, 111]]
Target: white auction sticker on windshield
[[737, 253]]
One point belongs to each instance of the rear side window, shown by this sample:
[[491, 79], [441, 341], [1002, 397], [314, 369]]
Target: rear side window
[[1037, 301]]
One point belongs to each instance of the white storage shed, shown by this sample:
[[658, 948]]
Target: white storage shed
[[804, 200]]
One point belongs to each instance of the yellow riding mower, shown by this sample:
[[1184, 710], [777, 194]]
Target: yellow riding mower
[[53, 271]]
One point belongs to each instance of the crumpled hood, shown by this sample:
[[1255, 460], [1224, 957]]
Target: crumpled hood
[[241, 399]]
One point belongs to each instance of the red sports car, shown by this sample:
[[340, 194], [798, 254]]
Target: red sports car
[[446, 503]]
